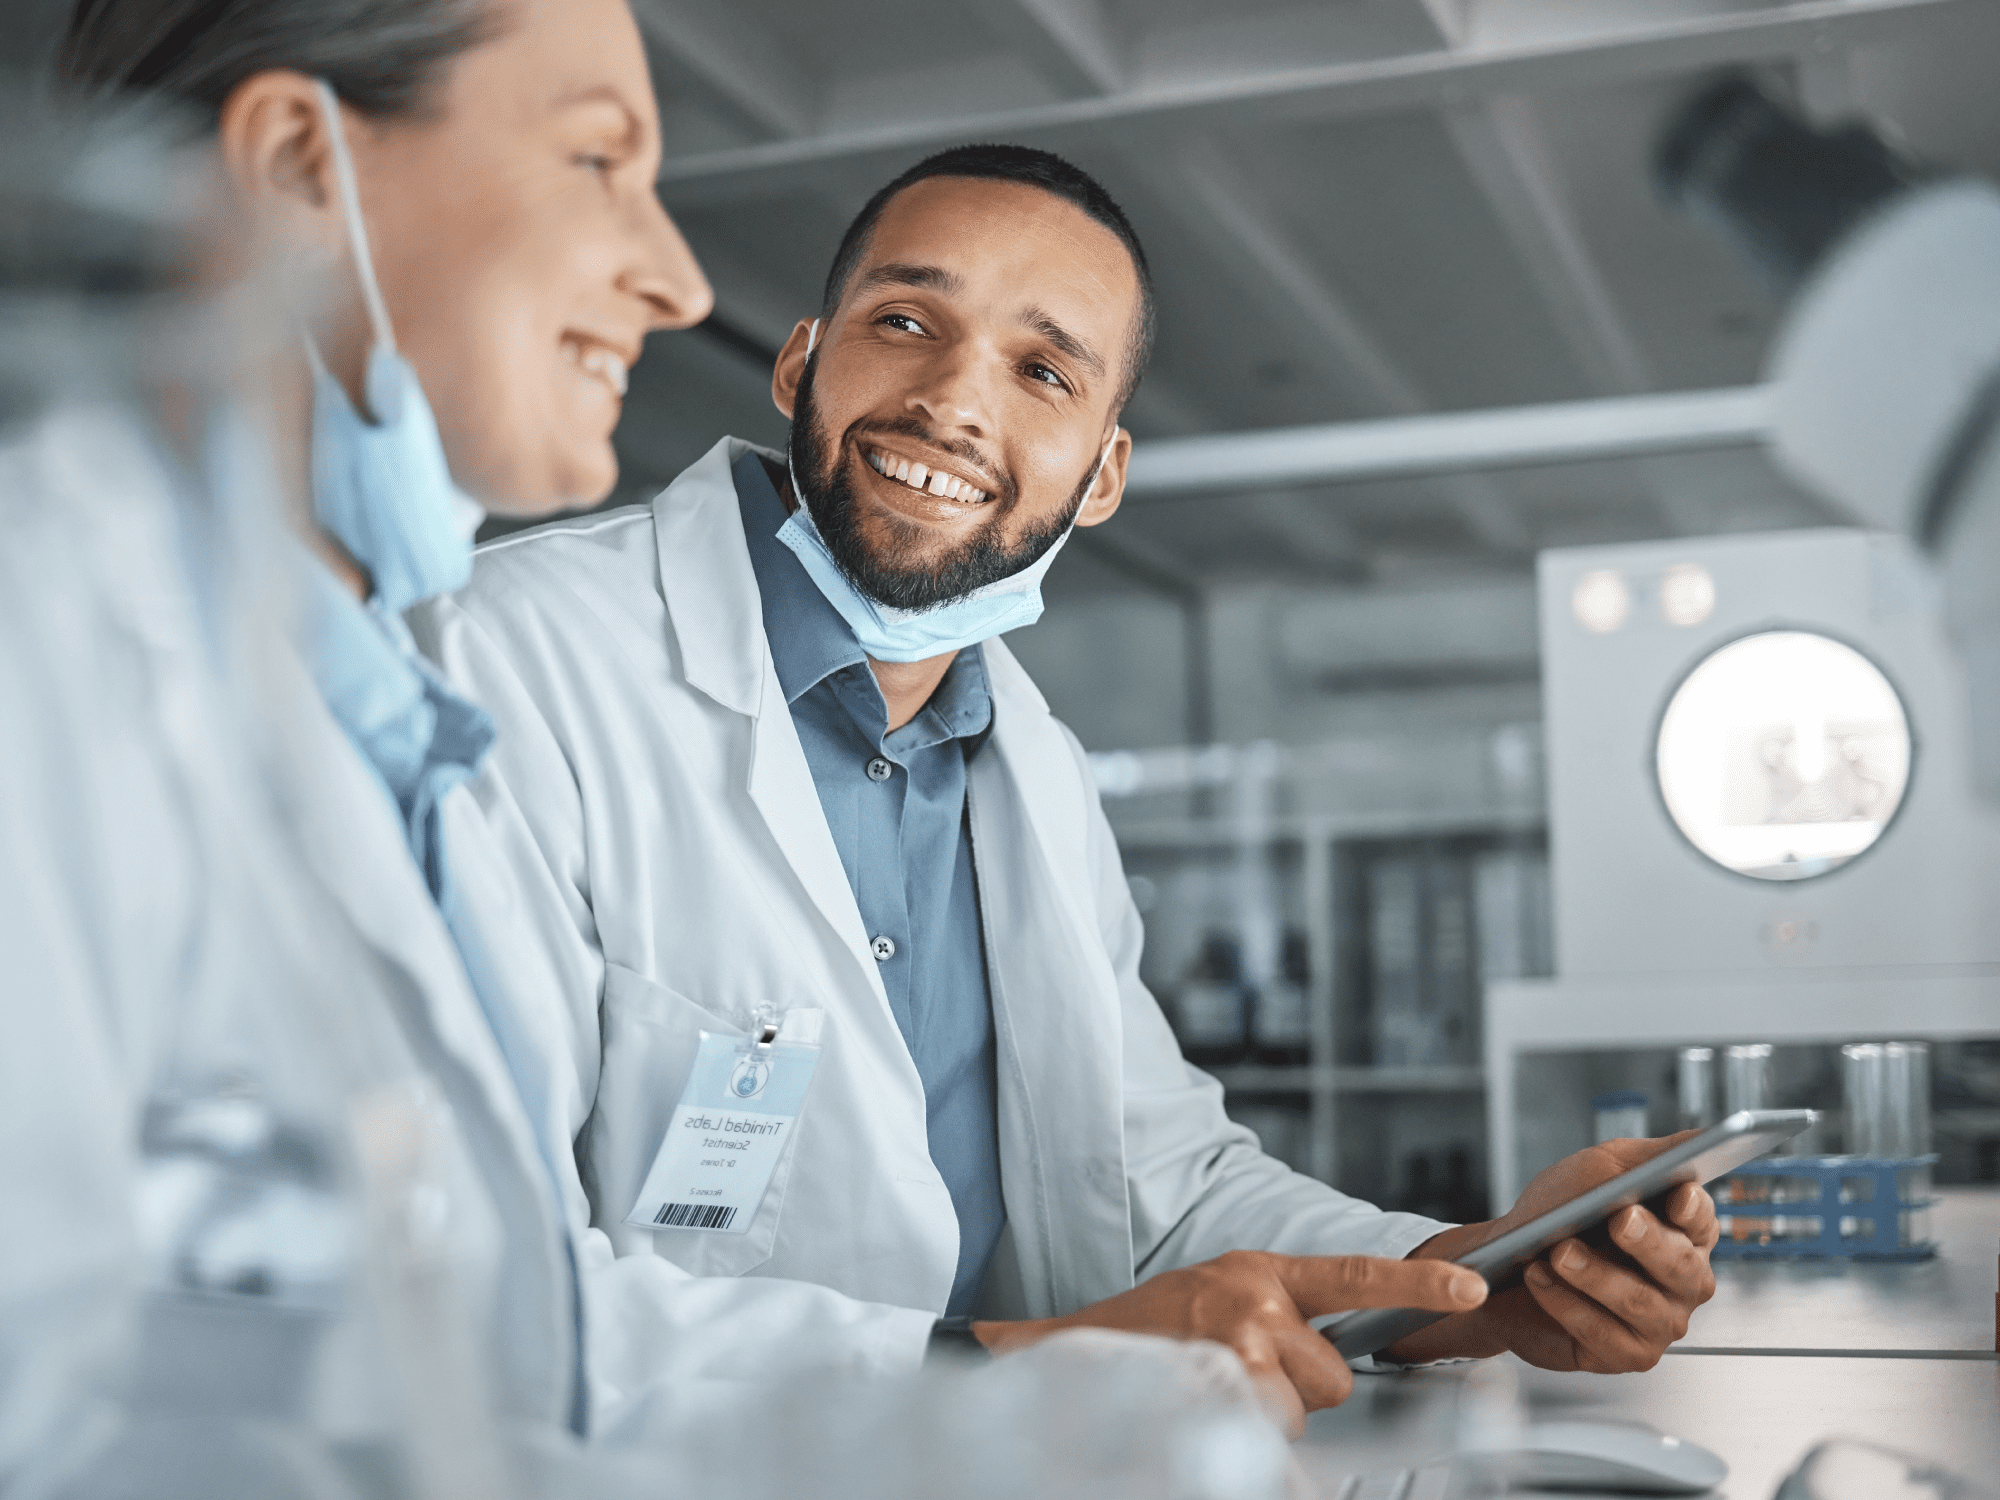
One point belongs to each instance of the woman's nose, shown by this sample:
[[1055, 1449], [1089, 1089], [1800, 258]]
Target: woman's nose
[[668, 277]]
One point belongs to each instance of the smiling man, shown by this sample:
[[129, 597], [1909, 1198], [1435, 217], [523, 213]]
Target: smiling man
[[852, 1043]]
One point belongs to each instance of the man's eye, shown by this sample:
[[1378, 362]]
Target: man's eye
[[1047, 376], [593, 162], [901, 320]]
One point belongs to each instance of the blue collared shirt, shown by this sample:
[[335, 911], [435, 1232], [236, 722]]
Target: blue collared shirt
[[895, 804]]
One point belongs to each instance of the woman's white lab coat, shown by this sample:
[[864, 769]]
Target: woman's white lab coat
[[199, 879], [675, 874]]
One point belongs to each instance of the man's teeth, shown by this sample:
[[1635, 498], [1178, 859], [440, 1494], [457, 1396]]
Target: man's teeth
[[930, 481], [599, 361]]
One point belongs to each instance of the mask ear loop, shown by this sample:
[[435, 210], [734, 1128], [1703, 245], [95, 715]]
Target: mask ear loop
[[350, 212]]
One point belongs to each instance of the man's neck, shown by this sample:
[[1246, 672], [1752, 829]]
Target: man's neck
[[907, 685]]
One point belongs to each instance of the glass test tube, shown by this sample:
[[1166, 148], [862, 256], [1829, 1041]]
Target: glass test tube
[[1696, 1087], [1746, 1077]]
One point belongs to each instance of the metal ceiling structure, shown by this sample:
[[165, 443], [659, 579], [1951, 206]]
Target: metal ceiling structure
[[1356, 210]]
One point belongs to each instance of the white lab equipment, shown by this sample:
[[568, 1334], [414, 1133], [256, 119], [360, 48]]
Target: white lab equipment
[[1717, 883]]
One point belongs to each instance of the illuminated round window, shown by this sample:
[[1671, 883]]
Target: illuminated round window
[[1784, 755]]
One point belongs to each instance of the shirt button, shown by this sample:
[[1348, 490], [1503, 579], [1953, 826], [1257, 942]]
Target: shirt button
[[884, 949], [879, 769]]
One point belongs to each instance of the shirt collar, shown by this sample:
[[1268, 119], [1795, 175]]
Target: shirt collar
[[809, 640], [420, 737]]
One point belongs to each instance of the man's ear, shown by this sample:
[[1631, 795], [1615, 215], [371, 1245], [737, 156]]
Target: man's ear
[[274, 147], [1103, 500], [791, 368]]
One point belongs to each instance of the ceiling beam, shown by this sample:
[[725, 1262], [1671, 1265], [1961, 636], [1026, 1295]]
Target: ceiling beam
[[734, 62], [1068, 42], [1213, 207], [1502, 148], [1443, 442], [1439, 78]]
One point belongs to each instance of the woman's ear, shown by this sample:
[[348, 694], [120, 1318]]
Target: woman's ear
[[1105, 495], [791, 368], [274, 148]]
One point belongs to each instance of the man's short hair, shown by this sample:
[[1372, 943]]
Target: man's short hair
[[1023, 164]]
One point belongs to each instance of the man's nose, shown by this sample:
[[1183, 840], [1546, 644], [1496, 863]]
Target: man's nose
[[955, 391]]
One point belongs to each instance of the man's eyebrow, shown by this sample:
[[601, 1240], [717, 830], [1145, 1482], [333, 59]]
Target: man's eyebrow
[[904, 273], [1065, 341]]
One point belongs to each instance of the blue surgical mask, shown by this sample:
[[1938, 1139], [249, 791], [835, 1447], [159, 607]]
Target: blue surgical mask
[[382, 486], [903, 635]]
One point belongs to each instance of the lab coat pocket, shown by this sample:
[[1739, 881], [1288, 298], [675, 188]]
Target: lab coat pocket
[[650, 1037]]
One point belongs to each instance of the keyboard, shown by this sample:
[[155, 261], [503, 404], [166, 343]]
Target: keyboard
[[1432, 1482]]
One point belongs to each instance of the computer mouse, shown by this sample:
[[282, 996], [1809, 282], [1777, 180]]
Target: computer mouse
[[1622, 1457]]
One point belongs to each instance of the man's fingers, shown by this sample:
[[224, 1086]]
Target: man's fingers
[[1269, 1374], [1692, 1209], [1667, 1255], [1321, 1284], [1603, 1343], [1627, 1295], [1316, 1370]]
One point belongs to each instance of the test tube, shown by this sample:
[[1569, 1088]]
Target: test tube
[[1888, 1095], [1907, 1092], [1863, 1079], [1697, 1087], [1746, 1077]]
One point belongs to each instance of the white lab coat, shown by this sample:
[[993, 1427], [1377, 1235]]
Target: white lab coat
[[675, 874], [198, 877]]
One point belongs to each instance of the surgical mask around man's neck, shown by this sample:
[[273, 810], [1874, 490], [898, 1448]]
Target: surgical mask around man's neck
[[904, 635], [381, 483]]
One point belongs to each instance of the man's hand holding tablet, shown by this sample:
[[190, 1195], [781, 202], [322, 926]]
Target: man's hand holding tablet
[[1582, 1308]]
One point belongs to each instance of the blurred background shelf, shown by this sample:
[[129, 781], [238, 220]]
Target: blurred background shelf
[[1326, 962]]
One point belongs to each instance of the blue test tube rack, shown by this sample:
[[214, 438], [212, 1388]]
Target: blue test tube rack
[[1861, 1205]]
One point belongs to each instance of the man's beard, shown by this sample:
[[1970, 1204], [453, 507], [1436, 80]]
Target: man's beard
[[899, 579]]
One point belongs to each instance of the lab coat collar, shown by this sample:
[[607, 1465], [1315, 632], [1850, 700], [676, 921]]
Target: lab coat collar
[[710, 588], [717, 614]]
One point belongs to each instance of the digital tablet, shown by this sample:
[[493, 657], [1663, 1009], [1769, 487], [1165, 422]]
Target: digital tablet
[[1716, 1152]]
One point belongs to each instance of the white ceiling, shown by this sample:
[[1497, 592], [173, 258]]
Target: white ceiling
[[1354, 208]]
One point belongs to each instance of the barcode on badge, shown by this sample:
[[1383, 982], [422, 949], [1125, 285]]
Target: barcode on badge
[[693, 1216]]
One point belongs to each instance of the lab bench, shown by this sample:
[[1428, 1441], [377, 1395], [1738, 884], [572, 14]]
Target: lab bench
[[1786, 1355]]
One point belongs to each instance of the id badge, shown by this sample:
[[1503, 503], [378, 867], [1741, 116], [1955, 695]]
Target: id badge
[[727, 1133]]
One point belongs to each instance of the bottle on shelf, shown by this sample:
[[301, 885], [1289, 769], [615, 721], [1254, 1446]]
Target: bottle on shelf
[[1280, 1025], [1211, 1004]]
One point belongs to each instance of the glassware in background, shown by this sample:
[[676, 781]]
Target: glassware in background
[[1211, 1004], [1620, 1115], [1887, 1087], [1695, 1085], [1746, 1077], [1280, 1027]]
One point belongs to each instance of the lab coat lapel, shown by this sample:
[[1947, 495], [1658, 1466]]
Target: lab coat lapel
[[1055, 1005], [717, 614], [368, 871]]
